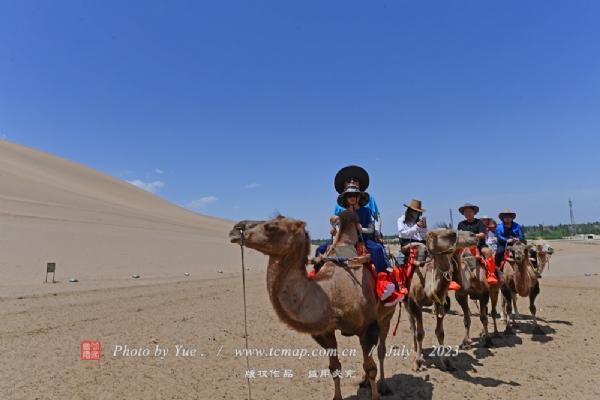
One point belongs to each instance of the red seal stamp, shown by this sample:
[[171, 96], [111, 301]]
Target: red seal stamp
[[90, 350]]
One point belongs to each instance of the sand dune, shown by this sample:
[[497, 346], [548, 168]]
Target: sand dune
[[96, 227]]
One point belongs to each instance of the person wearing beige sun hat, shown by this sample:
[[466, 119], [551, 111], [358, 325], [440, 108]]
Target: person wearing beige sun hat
[[412, 227]]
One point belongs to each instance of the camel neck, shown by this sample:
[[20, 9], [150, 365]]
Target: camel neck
[[298, 301]]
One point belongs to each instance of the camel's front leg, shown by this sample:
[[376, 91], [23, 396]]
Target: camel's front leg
[[463, 300], [494, 298], [440, 312], [385, 322], [368, 341], [329, 342], [516, 313], [507, 301], [416, 313], [532, 295], [483, 302]]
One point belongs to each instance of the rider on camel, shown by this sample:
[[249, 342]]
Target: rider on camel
[[357, 176], [477, 226], [411, 227]]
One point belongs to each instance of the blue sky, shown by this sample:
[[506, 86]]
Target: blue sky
[[239, 109]]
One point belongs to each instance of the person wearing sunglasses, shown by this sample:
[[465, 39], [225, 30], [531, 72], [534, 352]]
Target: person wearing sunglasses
[[356, 176], [352, 198]]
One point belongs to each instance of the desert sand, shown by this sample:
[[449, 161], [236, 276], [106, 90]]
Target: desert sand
[[102, 230]]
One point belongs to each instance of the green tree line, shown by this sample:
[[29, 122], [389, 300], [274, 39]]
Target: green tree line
[[530, 231], [560, 231]]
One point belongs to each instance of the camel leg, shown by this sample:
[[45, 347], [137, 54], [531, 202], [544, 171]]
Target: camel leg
[[416, 313], [541, 266], [439, 311], [514, 301], [532, 295], [463, 300], [476, 305], [502, 308], [483, 302], [328, 341], [382, 386], [494, 298], [507, 297], [368, 341]]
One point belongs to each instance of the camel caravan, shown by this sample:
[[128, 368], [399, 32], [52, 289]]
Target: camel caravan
[[353, 284]]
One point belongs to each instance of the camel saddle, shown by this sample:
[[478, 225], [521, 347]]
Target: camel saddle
[[414, 256], [349, 256], [472, 257]]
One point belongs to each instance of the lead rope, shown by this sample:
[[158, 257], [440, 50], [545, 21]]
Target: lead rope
[[245, 314]]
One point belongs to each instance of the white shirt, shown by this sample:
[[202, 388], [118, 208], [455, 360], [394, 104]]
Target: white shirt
[[410, 230], [490, 237]]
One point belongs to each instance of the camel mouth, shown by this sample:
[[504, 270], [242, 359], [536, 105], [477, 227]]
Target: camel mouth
[[235, 236]]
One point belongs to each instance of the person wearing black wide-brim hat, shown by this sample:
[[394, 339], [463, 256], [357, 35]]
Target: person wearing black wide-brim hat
[[351, 179], [355, 175]]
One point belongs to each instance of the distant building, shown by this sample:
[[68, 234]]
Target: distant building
[[584, 236]]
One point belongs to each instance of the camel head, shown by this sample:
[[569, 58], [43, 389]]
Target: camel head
[[520, 251], [544, 247], [442, 240], [347, 234], [276, 237]]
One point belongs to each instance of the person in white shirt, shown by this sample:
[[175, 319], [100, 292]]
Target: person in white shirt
[[411, 227], [490, 235]]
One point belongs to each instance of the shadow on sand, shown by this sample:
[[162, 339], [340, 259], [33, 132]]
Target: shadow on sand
[[404, 387]]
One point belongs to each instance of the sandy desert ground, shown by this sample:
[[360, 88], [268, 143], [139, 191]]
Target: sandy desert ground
[[102, 230]]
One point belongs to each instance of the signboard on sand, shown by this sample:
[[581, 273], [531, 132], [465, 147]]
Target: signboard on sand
[[50, 267]]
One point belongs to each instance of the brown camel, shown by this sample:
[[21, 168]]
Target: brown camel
[[520, 279], [430, 284], [335, 298], [471, 276], [543, 252]]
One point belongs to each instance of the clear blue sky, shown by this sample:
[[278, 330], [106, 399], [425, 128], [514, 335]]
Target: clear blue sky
[[237, 109]]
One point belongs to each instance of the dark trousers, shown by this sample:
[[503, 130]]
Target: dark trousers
[[378, 255], [500, 253], [321, 249], [533, 256]]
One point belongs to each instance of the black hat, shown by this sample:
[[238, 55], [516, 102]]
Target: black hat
[[351, 171], [364, 199]]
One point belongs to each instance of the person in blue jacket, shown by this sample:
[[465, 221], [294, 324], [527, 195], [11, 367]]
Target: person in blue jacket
[[353, 198], [508, 232]]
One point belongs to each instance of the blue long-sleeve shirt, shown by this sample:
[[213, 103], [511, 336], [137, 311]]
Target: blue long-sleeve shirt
[[503, 236], [371, 206]]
